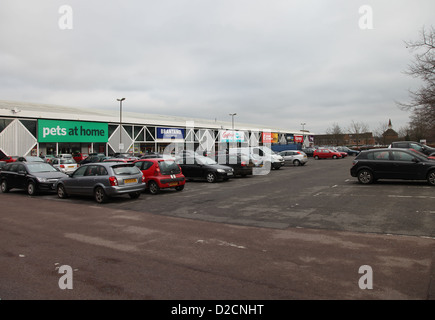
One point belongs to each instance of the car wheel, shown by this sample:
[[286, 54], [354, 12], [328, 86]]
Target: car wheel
[[296, 163], [31, 189], [153, 187], [430, 178], [134, 195], [179, 188], [334, 157], [365, 176], [316, 157], [211, 177], [61, 192], [100, 195], [4, 186]]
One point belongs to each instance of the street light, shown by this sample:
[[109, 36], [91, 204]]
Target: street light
[[303, 124], [120, 123], [232, 119]]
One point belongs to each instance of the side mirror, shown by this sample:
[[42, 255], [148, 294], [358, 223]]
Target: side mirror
[[415, 160]]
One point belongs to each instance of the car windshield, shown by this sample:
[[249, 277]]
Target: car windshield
[[205, 160], [125, 170], [169, 167], [40, 167], [67, 161]]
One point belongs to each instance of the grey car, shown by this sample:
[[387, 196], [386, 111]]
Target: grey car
[[103, 180]]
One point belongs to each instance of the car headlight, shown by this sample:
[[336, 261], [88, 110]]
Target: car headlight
[[220, 170], [40, 179]]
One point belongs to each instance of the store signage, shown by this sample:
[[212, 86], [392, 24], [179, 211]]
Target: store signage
[[232, 136], [170, 133], [299, 139], [274, 137], [72, 131], [266, 137], [290, 138]]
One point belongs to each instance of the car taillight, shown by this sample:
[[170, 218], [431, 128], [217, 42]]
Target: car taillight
[[62, 166], [243, 163], [113, 181], [143, 178], [354, 162], [157, 171]]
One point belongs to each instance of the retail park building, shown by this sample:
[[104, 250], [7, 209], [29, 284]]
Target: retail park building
[[33, 129]]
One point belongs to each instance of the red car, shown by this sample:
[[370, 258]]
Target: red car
[[161, 173], [78, 156], [326, 154], [10, 159]]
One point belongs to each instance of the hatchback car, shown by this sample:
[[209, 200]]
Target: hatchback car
[[392, 163], [30, 176], [2, 164], [326, 154], [414, 145], [242, 164], [65, 165], [201, 167], [349, 151], [294, 157], [160, 174], [30, 159], [102, 180]]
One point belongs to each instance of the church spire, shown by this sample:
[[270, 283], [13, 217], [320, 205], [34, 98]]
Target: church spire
[[390, 126]]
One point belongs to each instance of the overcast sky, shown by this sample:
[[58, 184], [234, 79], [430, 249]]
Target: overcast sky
[[279, 63]]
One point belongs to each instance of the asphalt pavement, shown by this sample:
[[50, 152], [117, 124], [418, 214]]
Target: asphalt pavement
[[298, 233]]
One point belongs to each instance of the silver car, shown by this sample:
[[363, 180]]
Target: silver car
[[103, 180], [65, 165], [294, 157]]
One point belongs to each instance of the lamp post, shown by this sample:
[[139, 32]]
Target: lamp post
[[232, 126], [120, 124], [232, 120], [303, 125]]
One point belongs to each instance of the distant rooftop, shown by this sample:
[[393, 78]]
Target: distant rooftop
[[50, 111]]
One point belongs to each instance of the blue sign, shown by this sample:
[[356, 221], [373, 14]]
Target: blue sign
[[170, 133]]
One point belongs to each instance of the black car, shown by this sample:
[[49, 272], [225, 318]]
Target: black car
[[30, 176], [392, 163], [308, 151], [2, 164], [414, 145], [349, 151], [242, 165], [200, 167], [93, 159]]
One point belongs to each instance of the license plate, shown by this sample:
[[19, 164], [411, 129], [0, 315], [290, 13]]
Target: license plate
[[70, 167], [229, 173], [130, 181], [172, 184]]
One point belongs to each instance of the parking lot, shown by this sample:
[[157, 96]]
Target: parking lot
[[296, 233]]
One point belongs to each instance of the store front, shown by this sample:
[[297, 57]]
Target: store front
[[57, 137]]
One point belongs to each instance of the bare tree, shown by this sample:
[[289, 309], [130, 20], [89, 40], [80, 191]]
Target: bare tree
[[422, 102], [357, 131], [336, 134]]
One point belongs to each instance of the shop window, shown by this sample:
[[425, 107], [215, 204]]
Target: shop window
[[112, 129], [30, 125], [150, 133], [139, 133], [129, 130], [4, 123]]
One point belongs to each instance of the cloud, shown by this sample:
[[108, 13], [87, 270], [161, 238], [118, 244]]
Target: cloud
[[275, 62]]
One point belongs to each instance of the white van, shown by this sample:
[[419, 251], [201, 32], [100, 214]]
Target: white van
[[261, 155]]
